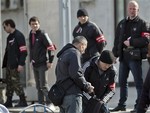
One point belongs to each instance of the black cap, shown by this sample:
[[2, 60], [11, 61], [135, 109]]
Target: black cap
[[82, 12], [107, 57]]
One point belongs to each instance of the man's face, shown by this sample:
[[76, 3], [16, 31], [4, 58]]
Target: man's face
[[83, 19], [103, 66], [7, 28], [34, 25], [83, 47], [133, 10]]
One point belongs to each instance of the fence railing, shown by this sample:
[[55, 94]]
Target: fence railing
[[35, 106]]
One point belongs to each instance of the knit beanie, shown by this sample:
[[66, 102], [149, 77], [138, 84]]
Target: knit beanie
[[82, 12], [107, 57]]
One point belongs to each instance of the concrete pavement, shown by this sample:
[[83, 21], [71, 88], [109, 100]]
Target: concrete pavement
[[130, 101], [113, 103]]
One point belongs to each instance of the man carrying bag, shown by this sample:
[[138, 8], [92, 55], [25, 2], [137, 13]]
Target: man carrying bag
[[69, 66]]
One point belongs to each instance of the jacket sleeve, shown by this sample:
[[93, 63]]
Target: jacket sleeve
[[116, 41], [50, 47], [5, 59], [74, 34], [76, 72], [87, 73], [111, 87], [141, 40], [144, 101], [99, 38], [22, 49]]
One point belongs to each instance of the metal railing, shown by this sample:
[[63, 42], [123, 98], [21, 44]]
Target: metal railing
[[35, 106]]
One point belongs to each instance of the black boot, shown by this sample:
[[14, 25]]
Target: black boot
[[22, 102], [8, 103]]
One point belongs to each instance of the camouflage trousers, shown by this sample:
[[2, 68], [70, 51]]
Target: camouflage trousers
[[13, 82], [2, 87]]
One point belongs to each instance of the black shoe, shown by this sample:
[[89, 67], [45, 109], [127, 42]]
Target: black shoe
[[21, 104], [118, 108], [133, 111], [8, 104]]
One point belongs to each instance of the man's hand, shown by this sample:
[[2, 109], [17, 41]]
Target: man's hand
[[127, 42], [49, 65], [20, 68], [90, 88], [115, 60]]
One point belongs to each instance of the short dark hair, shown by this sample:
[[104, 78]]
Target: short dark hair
[[33, 19], [10, 22], [79, 39]]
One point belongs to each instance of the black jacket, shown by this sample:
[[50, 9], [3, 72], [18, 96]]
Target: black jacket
[[137, 39], [144, 101], [16, 50], [69, 66], [104, 84], [94, 36], [40, 48]]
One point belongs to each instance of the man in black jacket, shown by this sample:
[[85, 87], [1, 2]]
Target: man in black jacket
[[69, 66], [102, 75], [93, 34], [130, 35], [14, 61], [40, 46], [144, 100]]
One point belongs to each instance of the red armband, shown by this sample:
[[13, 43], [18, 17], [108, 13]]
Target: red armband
[[112, 86], [100, 39], [22, 48], [145, 34]]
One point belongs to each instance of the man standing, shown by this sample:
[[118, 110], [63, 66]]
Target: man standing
[[93, 34], [14, 60], [69, 67], [144, 100], [130, 35], [40, 46]]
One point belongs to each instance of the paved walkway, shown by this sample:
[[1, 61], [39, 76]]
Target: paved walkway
[[130, 101], [113, 103]]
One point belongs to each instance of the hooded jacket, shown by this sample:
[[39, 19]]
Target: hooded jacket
[[69, 66]]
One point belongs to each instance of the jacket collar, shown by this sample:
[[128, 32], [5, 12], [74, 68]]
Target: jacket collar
[[82, 25], [136, 19]]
